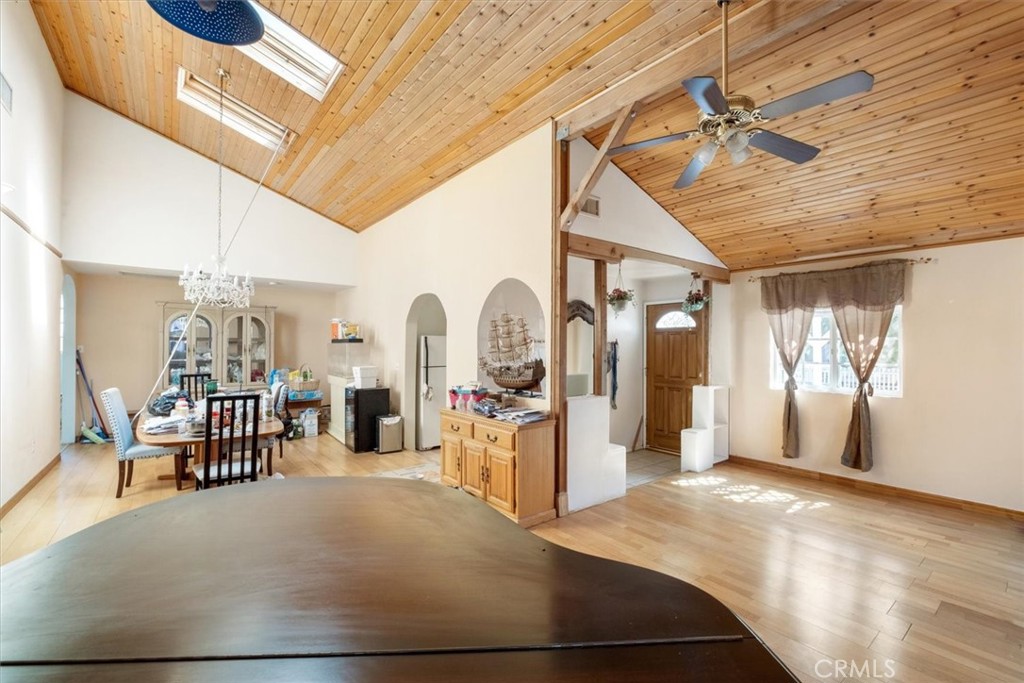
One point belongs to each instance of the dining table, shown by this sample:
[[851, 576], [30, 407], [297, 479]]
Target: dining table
[[267, 429]]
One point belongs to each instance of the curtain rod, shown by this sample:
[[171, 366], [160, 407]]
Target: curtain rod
[[909, 262]]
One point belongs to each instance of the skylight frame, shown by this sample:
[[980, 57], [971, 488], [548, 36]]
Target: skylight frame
[[204, 97], [293, 56]]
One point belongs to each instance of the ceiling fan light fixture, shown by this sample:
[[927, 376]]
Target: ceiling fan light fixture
[[706, 153], [736, 141], [740, 155]]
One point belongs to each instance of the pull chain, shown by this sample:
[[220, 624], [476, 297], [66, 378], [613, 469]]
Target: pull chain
[[220, 161]]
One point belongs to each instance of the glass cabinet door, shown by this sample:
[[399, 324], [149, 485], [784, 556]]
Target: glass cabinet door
[[257, 350], [202, 345], [179, 353], [234, 349], [195, 352]]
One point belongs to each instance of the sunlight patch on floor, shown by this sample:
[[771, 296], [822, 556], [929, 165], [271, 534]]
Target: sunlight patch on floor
[[750, 493]]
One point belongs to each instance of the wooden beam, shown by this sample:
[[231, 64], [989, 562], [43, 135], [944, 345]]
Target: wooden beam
[[559, 319], [600, 324], [749, 31], [601, 160], [612, 252]]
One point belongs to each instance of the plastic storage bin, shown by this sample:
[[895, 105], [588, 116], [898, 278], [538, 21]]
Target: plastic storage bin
[[365, 376]]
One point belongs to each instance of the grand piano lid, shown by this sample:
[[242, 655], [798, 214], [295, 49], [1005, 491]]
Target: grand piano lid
[[341, 567]]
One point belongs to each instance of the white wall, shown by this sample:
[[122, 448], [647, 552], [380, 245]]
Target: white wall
[[30, 274], [134, 198], [629, 215], [488, 223], [958, 429]]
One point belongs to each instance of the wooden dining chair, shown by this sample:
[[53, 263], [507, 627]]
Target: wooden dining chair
[[128, 451], [232, 452], [194, 383]]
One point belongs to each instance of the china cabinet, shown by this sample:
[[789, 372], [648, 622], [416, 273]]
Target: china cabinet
[[234, 345]]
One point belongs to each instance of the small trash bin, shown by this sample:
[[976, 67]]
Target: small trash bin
[[389, 433]]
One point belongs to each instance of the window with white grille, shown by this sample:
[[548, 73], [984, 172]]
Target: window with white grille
[[824, 365]]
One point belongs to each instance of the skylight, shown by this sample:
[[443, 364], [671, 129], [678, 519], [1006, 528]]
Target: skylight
[[293, 56], [239, 116]]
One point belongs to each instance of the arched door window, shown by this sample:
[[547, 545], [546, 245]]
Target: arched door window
[[674, 320]]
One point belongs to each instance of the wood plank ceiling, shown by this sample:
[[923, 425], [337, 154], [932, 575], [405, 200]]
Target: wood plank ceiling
[[931, 155]]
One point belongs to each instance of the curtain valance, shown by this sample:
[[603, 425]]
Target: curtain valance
[[875, 286]]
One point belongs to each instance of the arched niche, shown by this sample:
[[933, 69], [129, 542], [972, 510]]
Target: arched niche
[[426, 317], [514, 297]]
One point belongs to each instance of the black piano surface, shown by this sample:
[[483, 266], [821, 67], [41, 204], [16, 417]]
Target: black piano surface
[[352, 579]]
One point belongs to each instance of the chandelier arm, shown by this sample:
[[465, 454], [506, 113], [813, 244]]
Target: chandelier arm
[[259, 186]]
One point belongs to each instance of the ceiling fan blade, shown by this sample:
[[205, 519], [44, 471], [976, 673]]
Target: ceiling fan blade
[[781, 146], [837, 88], [693, 170], [705, 92], [644, 144]]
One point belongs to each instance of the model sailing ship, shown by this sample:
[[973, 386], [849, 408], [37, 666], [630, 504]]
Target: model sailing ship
[[510, 358]]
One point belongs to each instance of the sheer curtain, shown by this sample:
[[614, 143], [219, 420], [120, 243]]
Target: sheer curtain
[[862, 300], [790, 307]]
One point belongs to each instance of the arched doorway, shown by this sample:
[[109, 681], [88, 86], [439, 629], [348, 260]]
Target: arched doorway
[[426, 383]]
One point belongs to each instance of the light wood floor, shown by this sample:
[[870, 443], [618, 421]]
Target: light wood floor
[[833, 580]]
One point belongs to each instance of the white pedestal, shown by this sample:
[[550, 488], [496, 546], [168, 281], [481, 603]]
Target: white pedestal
[[596, 469], [698, 452]]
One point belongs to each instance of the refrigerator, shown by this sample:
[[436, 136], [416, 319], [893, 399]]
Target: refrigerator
[[432, 390]]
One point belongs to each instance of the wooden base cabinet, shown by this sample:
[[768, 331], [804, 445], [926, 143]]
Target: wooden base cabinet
[[511, 467]]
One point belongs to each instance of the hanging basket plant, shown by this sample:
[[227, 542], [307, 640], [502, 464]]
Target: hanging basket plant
[[619, 296], [695, 301]]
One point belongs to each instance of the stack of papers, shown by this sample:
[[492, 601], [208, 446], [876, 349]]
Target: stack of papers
[[163, 425], [520, 416]]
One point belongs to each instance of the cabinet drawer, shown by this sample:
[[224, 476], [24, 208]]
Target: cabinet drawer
[[455, 425], [495, 437]]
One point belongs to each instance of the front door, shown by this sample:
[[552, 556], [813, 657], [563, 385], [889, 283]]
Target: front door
[[676, 361]]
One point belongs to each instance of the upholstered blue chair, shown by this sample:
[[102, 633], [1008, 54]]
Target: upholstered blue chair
[[128, 451]]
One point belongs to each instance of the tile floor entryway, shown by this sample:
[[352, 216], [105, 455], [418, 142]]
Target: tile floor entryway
[[643, 467]]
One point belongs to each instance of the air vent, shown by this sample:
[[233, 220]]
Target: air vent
[[591, 206], [6, 94]]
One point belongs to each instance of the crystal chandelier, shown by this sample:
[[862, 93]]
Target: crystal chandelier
[[218, 288]]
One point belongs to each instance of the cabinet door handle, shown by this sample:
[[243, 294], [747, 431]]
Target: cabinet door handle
[[458, 464], [493, 438], [454, 427], [483, 477]]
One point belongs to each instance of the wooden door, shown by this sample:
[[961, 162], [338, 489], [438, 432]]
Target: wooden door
[[501, 468], [676, 360], [451, 460], [473, 468]]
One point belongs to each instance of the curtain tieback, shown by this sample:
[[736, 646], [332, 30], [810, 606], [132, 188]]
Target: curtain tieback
[[866, 388], [790, 384]]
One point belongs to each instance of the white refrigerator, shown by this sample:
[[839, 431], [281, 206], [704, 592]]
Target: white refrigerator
[[433, 391]]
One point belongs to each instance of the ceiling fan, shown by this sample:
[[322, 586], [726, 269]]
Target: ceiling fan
[[725, 120]]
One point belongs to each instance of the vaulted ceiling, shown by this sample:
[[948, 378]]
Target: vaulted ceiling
[[930, 156]]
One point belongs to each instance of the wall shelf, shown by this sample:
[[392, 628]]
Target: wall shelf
[[346, 341]]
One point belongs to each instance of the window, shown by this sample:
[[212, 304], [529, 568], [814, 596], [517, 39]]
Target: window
[[205, 97], [293, 56], [675, 320], [825, 366]]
